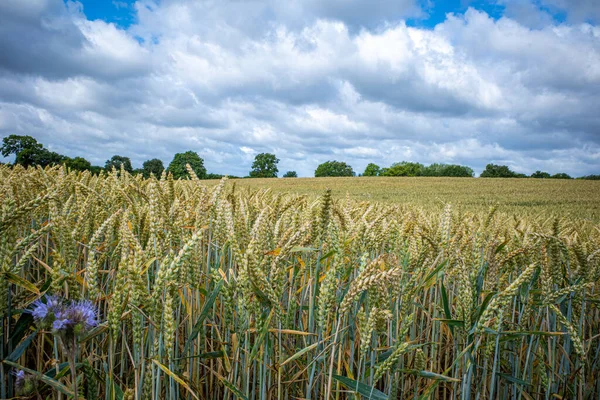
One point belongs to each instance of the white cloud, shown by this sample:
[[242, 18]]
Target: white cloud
[[307, 81]]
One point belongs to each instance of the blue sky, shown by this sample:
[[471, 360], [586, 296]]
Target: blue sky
[[513, 82], [123, 12]]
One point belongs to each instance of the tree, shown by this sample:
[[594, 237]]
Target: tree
[[561, 175], [499, 171], [405, 168], [116, 161], [152, 167], [264, 166], [14, 144], [334, 168], [178, 165], [96, 170], [290, 174], [452, 170], [28, 152], [540, 175], [372, 170], [78, 164], [591, 177]]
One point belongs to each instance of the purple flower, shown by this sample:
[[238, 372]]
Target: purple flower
[[50, 309], [20, 379], [82, 313], [61, 323], [67, 320]]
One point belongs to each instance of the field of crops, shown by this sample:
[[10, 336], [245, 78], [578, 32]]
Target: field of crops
[[525, 197], [215, 291]]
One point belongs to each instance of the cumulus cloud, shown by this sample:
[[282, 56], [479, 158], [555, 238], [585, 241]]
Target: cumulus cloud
[[308, 80]]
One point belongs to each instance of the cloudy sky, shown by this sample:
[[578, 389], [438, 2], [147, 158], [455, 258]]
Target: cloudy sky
[[515, 82]]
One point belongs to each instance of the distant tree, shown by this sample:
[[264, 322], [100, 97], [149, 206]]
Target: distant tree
[[96, 170], [290, 174], [334, 168], [213, 176], [152, 167], [178, 165], [372, 170], [28, 152], [264, 166], [590, 177], [77, 164], [561, 175], [405, 168], [452, 170], [499, 171], [116, 161], [540, 175]]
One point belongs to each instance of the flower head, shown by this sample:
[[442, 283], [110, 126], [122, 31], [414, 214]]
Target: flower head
[[81, 314], [68, 320], [25, 384], [19, 379], [46, 312]]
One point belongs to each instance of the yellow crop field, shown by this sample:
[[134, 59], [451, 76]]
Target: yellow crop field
[[575, 198], [120, 287]]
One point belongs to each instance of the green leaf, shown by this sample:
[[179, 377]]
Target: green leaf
[[23, 323], [17, 280], [203, 314], [513, 379], [366, 391], [300, 249], [299, 353], [445, 302], [18, 352], [326, 256], [451, 322], [437, 377], [435, 271], [175, 377], [261, 337], [62, 367]]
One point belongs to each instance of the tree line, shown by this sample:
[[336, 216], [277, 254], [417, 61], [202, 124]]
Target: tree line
[[29, 152]]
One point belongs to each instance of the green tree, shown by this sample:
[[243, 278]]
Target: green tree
[[28, 152], [14, 144], [590, 177], [96, 170], [334, 168], [404, 168], [116, 161], [372, 170], [290, 174], [561, 175], [178, 165], [264, 166], [452, 170], [78, 164], [152, 167], [540, 175], [499, 171]]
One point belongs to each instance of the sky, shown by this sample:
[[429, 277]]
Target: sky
[[513, 82]]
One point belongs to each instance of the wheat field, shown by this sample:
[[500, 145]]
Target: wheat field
[[214, 291], [523, 197]]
